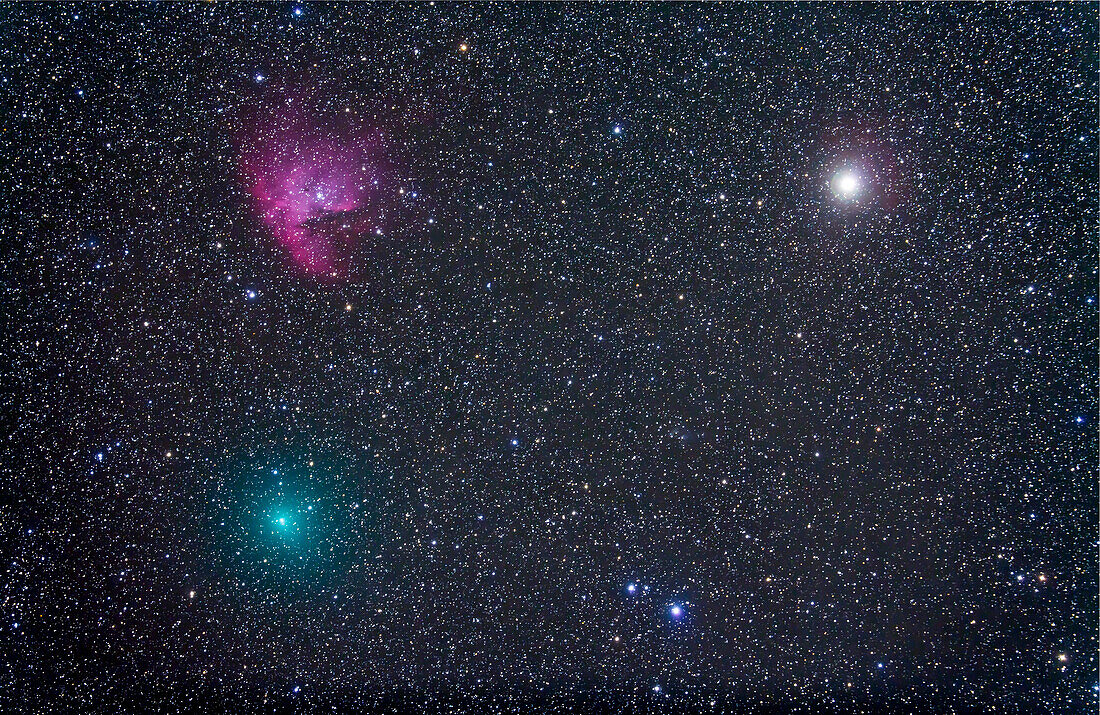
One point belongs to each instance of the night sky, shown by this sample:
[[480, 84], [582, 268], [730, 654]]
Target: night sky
[[448, 358]]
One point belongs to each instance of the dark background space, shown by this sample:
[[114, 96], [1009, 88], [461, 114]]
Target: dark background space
[[599, 342]]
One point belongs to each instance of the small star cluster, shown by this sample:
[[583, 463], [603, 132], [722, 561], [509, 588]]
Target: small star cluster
[[549, 358]]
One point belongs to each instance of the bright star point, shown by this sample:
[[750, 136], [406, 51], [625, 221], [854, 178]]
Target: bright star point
[[846, 184]]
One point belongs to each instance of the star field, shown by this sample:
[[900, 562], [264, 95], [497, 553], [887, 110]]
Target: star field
[[447, 358]]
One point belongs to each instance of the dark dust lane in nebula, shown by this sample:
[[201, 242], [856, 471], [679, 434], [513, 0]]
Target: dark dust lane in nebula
[[513, 358]]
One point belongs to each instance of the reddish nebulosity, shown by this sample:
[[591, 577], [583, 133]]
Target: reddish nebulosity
[[313, 184], [868, 149]]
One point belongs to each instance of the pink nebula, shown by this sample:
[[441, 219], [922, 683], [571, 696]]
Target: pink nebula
[[314, 186]]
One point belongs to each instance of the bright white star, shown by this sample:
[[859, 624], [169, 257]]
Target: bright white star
[[846, 184]]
